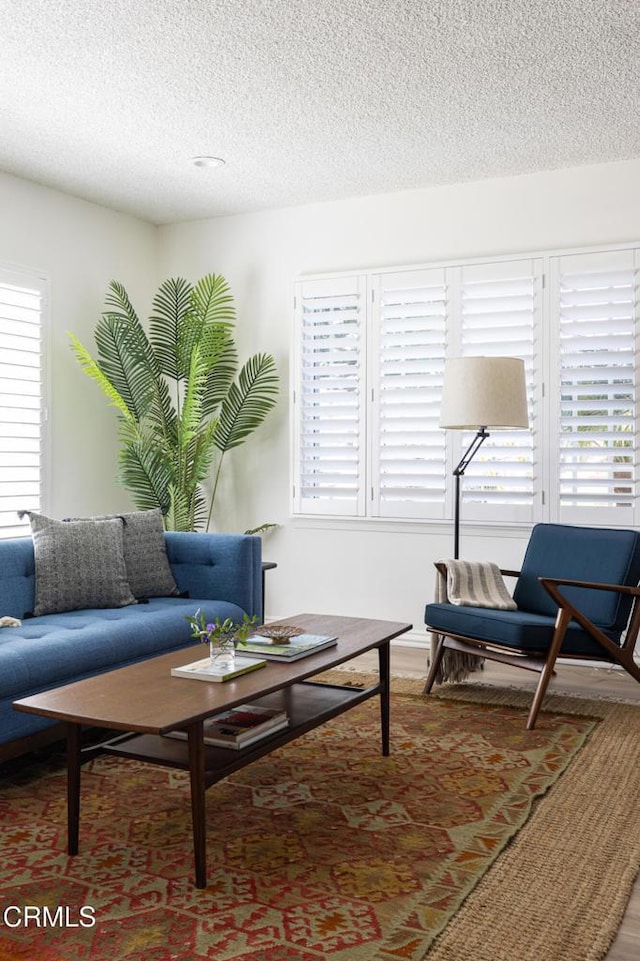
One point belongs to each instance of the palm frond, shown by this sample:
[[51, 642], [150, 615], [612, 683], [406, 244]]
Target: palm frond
[[186, 511], [209, 320], [91, 368], [219, 378], [118, 299], [248, 401], [121, 358], [161, 412], [199, 457], [198, 511], [191, 414], [262, 529], [213, 341], [202, 451], [171, 305], [212, 301], [145, 474], [178, 515]]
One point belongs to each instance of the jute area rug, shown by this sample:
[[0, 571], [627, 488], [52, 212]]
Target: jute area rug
[[475, 840]]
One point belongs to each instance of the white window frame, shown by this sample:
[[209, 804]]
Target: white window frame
[[544, 399], [21, 496]]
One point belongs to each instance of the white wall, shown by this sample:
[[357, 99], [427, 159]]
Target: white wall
[[80, 247], [380, 570]]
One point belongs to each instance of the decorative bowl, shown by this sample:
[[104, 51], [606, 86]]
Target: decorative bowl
[[279, 633]]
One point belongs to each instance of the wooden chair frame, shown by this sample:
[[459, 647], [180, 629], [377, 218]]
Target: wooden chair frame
[[543, 662]]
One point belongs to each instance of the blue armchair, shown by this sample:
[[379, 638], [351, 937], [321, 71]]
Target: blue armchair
[[576, 597]]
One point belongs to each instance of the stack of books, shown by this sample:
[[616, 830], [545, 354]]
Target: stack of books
[[295, 647], [240, 726]]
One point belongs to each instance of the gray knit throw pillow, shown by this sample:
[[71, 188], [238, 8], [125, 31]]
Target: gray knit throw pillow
[[145, 554], [78, 565]]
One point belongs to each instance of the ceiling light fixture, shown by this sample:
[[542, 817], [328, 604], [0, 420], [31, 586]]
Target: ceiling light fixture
[[207, 161]]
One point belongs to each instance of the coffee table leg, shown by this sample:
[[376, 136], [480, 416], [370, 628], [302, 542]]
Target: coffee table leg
[[196, 772], [73, 787], [385, 684]]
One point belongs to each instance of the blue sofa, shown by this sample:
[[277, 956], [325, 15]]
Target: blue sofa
[[220, 573]]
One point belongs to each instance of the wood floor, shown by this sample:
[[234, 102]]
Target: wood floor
[[587, 681]]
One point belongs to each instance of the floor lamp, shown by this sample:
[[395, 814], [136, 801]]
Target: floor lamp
[[481, 394]]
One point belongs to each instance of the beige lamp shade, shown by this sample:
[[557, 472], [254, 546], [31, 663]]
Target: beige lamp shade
[[484, 392]]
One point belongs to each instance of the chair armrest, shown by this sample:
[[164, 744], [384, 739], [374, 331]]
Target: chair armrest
[[552, 584], [442, 568], [549, 582]]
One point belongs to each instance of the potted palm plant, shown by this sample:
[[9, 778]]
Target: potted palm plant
[[182, 402]]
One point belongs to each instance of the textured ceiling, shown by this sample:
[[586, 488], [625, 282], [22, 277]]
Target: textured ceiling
[[308, 100]]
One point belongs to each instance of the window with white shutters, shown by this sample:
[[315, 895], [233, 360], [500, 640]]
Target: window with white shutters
[[596, 302], [21, 398], [500, 313], [330, 396], [409, 345], [370, 354]]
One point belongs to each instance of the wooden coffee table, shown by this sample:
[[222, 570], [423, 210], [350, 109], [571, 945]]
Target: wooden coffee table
[[147, 702]]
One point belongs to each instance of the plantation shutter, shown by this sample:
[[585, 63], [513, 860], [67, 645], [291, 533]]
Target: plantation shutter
[[330, 397], [21, 399], [409, 453], [595, 298], [500, 310]]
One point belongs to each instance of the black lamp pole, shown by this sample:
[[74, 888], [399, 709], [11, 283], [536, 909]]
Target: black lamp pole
[[467, 457]]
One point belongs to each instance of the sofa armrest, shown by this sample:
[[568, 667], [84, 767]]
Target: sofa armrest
[[221, 567]]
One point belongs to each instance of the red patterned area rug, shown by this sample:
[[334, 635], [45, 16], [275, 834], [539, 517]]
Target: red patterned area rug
[[324, 850]]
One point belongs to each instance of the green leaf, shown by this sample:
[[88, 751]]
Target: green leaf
[[118, 299], [212, 301], [219, 378], [145, 474], [121, 350], [171, 306], [208, 322], [247, 402], [90, 367]]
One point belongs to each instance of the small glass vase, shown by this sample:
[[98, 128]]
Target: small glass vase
[[222, 655]]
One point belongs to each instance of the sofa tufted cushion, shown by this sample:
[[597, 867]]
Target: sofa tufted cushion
[[78, 565], [56, 649], [145, 554]]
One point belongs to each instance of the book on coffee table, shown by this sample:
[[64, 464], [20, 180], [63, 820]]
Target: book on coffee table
[[299, 646], [201, 670], [240, 726]]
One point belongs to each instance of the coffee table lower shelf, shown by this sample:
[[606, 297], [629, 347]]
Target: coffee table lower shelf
[[308, 704]]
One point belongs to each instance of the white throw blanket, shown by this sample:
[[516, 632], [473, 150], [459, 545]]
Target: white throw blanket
[[467, 584], [476, 584]]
